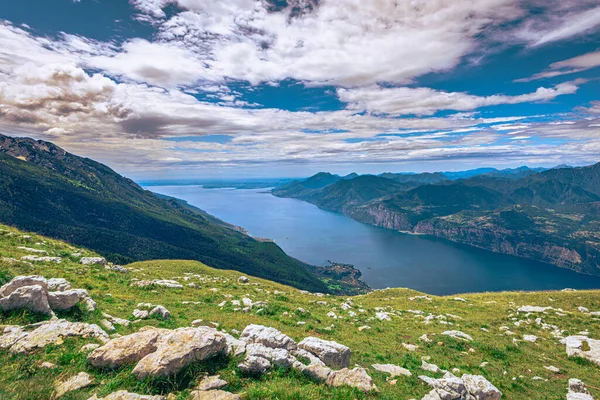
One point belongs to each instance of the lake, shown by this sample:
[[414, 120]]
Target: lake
[[386, 258]]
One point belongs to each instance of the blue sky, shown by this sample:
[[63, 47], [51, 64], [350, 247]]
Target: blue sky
[[259, 88]]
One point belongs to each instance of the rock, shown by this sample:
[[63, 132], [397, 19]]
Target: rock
[[57, 260], [106, 324], [430, 367], [30, 250], [119, 268], [161, 312], [235, 347], [269, 337], [58, 285], [254, 365], [533, 309], [410, 347], [481, 388], [530, 338], [126, 349], [392, 369], [89, 347], [584, 347], [90, 304], [243, 279], [213, 395], [279, 357], [356, 377], [140, 314], [583, 309], [333, 354], [168, 283], [22, 281], [178, 349], [211, 383], [317, 372], [33, 298], [125, 395], [116, 320], [382, 316], [458, 335], [79, 381], [578, 391], [552, 369], [60, 301], [448, 387], [48, 365], [93, 260]]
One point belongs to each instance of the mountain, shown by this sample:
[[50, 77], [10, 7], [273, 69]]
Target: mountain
[[38, 353], [47, 190], [421, 178], [551, 216]]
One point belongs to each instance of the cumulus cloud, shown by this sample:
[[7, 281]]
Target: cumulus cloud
[[572, 65], [425, 101]]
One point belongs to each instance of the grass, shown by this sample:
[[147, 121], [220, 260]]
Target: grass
[[510, 366]]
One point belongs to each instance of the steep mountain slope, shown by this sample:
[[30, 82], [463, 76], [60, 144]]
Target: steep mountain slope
[[514, 339], [550, 216], [47, 190]]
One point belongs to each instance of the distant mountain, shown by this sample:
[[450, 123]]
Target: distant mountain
[[512, 173], [548, 215], [52, 192], [425, 177]]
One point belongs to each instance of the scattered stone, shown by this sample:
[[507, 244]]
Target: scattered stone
[[235, 347], [356, 377], [331, 353], [481, 388], [243, 279], [79, 381], [584, 347], [141, 314], [213, 395], [30, 250], [106, 324], [48, 365], [392, 369], [410, 347], [362, 328], [530, 338], [430, 367], [161, 312], [382, 316], [168, 283], [583, 309], [211, 383], [116, 320], [22, 281], [269, 337], [125, 395], [93, 261], [552, 369], [57, 260], [278, 357], [425, 338], [119, 268], [458, 335], [533, 309]]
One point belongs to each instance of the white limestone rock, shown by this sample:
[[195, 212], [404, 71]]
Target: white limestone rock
[[93, 261], [392, 369], [33, 298], [79, 381], [267, 336], [333, 354], [356, 377], [584, 347]]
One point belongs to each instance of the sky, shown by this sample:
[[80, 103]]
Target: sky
[[273, 88]]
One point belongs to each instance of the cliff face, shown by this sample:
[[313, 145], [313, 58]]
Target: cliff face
[[380, 215]]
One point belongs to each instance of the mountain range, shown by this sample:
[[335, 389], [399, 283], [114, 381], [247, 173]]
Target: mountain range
[[549, 215]]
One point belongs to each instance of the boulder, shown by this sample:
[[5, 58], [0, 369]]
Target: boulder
[[481, 388], [211, 383], [243, 279], [58, 285], [235, 347], [33, 298], [356, 377], [279, 357], [21, 281], [392, 369], [168, 283], [89, 347], [269, 337], [333, 354], [161, 312], [584, 347], [126, 350], [125, 395], [60, 301], [93, 261], [178, 349], [79, 381], [254, 365], [213, 395]]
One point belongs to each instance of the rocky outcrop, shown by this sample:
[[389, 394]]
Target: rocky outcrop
[[469, 387], [268, 337], [578, 391], [21, 340], [34, 293], [93, 261], [126, 350]]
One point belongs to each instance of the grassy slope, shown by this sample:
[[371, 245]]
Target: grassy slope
[[22, 378]]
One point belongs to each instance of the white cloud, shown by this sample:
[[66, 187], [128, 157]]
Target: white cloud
[[425, 101], [570, 66]]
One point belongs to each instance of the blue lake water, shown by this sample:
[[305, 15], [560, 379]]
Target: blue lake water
[[386, 258]]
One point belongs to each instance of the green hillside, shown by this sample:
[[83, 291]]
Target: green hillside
[[498, 351], [55, 193]]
